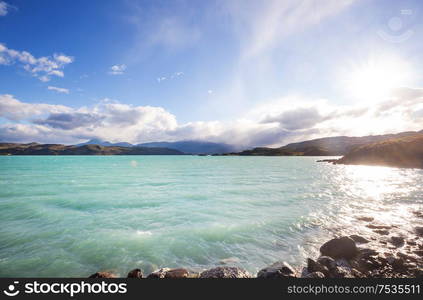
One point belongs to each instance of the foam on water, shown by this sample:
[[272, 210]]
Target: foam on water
[[75, 215]]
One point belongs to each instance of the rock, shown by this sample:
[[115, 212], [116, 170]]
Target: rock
[[398, 264], [225, 272], [304, 272], [407, 257], [366, 252], [397, 241], [160, 273], [343, 247], [340, 272], [177, 273], [170, 273], [373, 226], [342, 262], [369, 264], [359, 239], [365, 219], [418, 252], [103, 275], [357, 274], [277, 270], [381, 231], [135, 273], [315, 275], [313, 266], [419, 231], [327, 261], [411, 243]]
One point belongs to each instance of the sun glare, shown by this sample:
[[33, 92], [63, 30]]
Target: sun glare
[[374, 79]]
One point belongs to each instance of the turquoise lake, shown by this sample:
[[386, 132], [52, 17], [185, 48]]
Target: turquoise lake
[[64, 216]]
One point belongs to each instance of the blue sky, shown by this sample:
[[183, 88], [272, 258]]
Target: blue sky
[[253, 73]]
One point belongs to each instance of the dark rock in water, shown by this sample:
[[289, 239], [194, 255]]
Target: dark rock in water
[[177, 273], [419, 231], [343, 247], [315, 275], [160, 273], [327, 261], [135, 273], [369, 264], [381, 231], [366, 252], [313, 266], [418, 214], [366, 219], [359, 239], [103, 275], [225, 272], [277, 270], [397, 241], [399, 264], [170, 273], [418, 252], [357, 274], [340, 272]]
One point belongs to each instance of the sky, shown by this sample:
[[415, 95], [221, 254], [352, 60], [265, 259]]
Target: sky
[[243, 72]]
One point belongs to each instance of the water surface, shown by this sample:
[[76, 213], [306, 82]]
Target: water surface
[[74, 215]]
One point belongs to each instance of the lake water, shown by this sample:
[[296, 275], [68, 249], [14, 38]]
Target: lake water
[[63, 216]]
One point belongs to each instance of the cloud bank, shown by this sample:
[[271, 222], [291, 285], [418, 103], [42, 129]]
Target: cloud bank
[[274, 123]]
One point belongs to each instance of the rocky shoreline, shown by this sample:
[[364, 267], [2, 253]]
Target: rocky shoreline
[[394, 253]]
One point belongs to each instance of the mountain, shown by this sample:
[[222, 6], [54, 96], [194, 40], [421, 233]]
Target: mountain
[[328, 146], [193, 147], [188, 147], [402, 152], [104, 143], [91, 149]]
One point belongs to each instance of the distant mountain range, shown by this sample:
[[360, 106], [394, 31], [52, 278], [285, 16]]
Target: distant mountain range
[[91, 149], [328, 146], [105, 143], [188, 147], [403, 149]]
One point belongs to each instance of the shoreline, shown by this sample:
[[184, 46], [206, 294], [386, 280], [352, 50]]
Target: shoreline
[[394, 253]]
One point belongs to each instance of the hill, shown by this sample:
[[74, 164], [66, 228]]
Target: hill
[[328, 146], [403, 152], [105, 143], [58, 149]]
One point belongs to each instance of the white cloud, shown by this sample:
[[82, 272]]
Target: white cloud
[[4, 8], [173, 76], [42, 68], [117, 69], [57, 89], [273, 123], [15, 110]]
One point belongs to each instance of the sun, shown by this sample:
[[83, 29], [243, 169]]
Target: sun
[[373, 80]]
